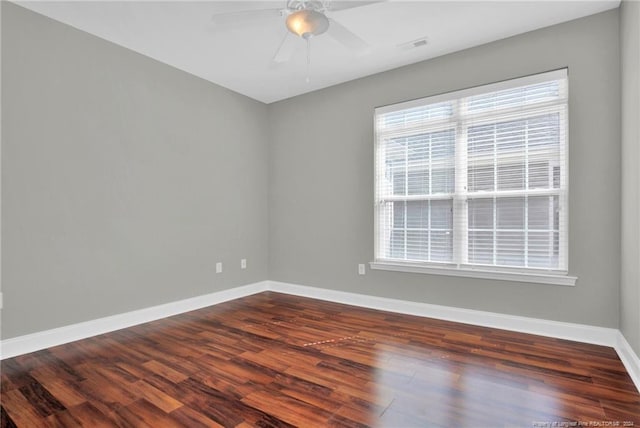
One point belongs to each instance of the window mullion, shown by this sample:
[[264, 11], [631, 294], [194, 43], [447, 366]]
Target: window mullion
[[460, 206], [495, 199], [405, 231], [526, 196], [551, 229], [429, 231], [406, 192]]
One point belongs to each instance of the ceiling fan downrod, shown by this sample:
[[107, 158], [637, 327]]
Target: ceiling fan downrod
[[307, 21]]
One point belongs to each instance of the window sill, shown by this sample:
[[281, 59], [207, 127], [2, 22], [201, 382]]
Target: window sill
[[533, 277]]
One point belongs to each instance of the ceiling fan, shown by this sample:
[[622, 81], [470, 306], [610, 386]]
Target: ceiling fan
[[302, 18]]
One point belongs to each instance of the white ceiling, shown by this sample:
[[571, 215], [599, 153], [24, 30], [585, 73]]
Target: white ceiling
[[239, 56]]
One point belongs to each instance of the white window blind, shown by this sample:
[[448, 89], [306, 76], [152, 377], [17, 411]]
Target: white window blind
[[475, 178]]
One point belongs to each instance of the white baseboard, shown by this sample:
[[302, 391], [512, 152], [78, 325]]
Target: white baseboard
[[562, 330], [629, 358], [58, 336]]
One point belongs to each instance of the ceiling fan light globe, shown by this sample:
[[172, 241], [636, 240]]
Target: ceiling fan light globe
[[307, 23]]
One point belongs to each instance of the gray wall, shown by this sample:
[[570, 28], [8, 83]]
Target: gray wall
[[321, 176], [123, 180], [630, 278]]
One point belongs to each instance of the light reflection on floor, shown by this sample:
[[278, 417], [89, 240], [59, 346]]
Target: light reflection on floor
[[423, 385]]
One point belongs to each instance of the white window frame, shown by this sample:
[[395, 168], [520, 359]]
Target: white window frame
[[460, 196]]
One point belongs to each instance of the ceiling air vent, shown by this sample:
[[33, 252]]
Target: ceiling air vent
[[413, 44]]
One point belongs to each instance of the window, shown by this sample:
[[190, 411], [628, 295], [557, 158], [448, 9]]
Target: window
[[475, 180]]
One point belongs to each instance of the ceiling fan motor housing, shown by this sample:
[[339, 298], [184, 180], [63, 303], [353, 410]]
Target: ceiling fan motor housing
[[317, 5]]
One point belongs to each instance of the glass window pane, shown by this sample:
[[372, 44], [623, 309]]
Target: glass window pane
[[480, 247], [395, 170], [510, 248], [556, 213], [418, 182], [399, 182], [539, 177], [442, 214], [396, 244], [441, 246], [421, 164], [481, 139], [480, 178], [510, 136], [417, 245], [556, 177], [540, 250], [398, 209], [540, 212], [418, 148], [544, 131], [442, 180], [511, 176], [514, 97], [510, 213], [416, 224], [443, 145], [480, 212], [418, 214], [417, 114]]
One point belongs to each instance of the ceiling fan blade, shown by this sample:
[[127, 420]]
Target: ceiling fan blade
[[286, 49], [340, 33], [336, 6], [288, 45], [244, 17]]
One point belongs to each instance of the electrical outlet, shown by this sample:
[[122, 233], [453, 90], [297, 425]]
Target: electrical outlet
[[361, 270], [243, 263], [219, 267]]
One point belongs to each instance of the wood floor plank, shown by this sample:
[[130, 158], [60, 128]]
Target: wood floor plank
[[44, 403], [165, 371], [5, 419], [19, 409], [142, 413], [189, 417], [275, 360], [287, 409], [66, 392], [155, 396], [62, 420]]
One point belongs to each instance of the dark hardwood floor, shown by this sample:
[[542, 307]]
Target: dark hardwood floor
[[278, 360]]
